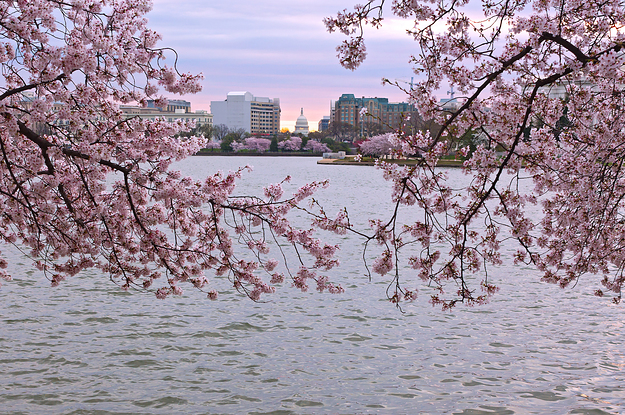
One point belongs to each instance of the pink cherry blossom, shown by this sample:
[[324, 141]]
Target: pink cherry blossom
[[293, 143], [379, 145], [253, 144], [316, 147]]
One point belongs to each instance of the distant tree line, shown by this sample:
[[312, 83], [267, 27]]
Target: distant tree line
[[224, 139], [370, 138]]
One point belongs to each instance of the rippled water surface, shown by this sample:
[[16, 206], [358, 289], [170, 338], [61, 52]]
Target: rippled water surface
[[86, 347]]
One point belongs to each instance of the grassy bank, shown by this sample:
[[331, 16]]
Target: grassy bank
[[256, 154], [369, 161]]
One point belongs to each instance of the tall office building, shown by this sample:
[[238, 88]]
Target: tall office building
[[378, 111], [324, 123], [256, 115]]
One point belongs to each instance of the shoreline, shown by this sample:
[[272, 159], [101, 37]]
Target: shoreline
[[348, 161], [265, 154]]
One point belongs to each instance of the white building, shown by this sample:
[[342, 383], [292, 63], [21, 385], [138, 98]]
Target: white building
[[451, 104], [256, 115], [175, 110], [301, 125], [200, 117]]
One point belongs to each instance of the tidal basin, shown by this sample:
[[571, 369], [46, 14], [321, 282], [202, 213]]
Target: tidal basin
[[87, 347]]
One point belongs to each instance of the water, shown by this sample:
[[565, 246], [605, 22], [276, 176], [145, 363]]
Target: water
[[88, 348]]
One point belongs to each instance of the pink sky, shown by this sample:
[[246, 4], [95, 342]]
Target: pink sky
[[278, 49]]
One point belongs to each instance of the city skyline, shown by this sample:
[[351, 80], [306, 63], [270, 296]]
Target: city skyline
[[278, 50]]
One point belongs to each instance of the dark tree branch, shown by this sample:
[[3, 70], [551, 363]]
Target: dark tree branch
[[23, 88]]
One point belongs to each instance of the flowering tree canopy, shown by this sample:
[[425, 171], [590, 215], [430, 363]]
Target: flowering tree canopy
[[542, 84], [293, 143], [253, 144], [83, 187], [316, 147], [379, 145], [212, 145]]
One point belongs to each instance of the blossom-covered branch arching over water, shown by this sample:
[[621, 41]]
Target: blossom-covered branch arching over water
[[84, 187], [541, 85]]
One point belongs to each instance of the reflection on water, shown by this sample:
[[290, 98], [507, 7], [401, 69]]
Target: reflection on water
[[86, 347]]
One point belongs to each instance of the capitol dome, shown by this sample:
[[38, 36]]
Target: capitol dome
[[301, 125]]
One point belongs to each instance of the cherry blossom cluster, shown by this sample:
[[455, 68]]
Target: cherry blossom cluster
[[252, 144], [316, 147], [377, 146], [293, 143], [212, 145], [540, 97]]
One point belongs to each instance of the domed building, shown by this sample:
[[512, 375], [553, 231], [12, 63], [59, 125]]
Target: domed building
[[301, 125]]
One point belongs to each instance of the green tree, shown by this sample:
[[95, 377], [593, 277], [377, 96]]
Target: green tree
[[273, 147], [226, 142], [220, 131], [336, 145], [343, 131]]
